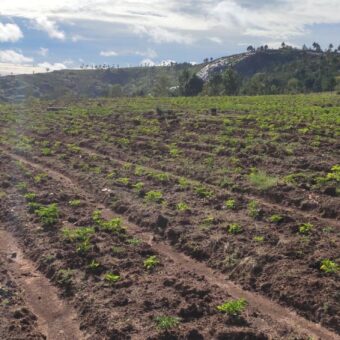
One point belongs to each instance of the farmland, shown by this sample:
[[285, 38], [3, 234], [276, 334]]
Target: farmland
[[173, 218]]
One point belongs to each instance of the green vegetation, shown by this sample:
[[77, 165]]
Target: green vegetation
[[203, 192], [253, 209], [329, 267], [154, 196], [182, 206], [234, 228], [275, 218], [75, 203], [230, 204], [261, 180], [167, 322], [112, 278], [233, 307], [305, 228], [48, 215], [151, 262]]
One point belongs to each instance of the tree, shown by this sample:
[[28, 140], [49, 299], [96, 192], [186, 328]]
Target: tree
[[250, 48], [231, 82], [190, 85], [316, 47], [162, 86]]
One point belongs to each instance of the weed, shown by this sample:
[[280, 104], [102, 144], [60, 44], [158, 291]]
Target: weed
[[329, 267], [138, 186], [305, 228], [123, 180], [40, 178], [151, 262], [234, 228], [208, 221], [233, 307], [22, 186], [48, 215], [134, 241], [167, 322], [114, 225], [46, 151], [84, 247], [183, 183]]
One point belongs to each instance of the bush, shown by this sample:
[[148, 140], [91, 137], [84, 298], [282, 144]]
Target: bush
[[167, 322], [329, 266], [48, 215], [233, 307]]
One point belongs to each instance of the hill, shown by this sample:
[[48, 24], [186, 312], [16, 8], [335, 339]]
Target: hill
[[264, 71]]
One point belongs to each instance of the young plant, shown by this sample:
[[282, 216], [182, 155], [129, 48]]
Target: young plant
[[151, 262], [233, 307], [253, 209], [183, 183], [74, 203], [167, 322], [30, 196], [112, 278], [305, 228], [261, 180], [230, 204], [258, 239], [154, 196], [93, 265], [138, 186], [48, 215], [275, 218], [203, 192], [182, 206], [234, 228], [329, 267]]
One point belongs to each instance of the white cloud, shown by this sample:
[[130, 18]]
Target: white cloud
[[149, 53], [108, 53], [52, 67], [216, 40], [50, 27], [10, 33], [160, 35], [43, 51], [10, 56]]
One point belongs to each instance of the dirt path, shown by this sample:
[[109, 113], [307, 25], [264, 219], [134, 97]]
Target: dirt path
[[289, 210], [56, 320], [275, 313]]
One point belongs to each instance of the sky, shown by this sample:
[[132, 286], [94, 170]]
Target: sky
[[40, 36]]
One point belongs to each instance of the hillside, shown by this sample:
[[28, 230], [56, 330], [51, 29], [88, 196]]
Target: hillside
[[261, 72]]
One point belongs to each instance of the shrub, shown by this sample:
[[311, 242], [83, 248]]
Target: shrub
[[138, 186], [77, 234], [167, 322], [183, 182], [30, 196], [329, 266], [151, 262], [233, 307], [74, 203], [123, 180]]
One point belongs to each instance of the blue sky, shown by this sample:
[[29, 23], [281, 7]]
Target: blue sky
[[57, 34]]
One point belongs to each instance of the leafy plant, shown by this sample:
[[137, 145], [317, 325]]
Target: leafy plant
[[230, 204], [123, 180], [151, 262], [275, 218], [112, 278], [234, 228], [40, 178], [74, 203], [233, 307], [253, 209], [203, 192], [183, 183], [259, 238], [93, 265], [65, 276], [77, 234], [261, 180], [305, 228], [48, 215], [30, 196], [182, 206], [138, 186], [167, 322], [329, 267], [154, 196], [84, 246]]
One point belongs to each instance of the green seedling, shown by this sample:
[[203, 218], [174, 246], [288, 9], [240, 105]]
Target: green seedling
[[151, 262], [305, 228], [182, 206], [234, 228], [329, 267], [167, 322], [230, 204], [112, 278], [233, 307]]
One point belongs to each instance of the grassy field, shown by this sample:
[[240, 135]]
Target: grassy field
[[135, 207]]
